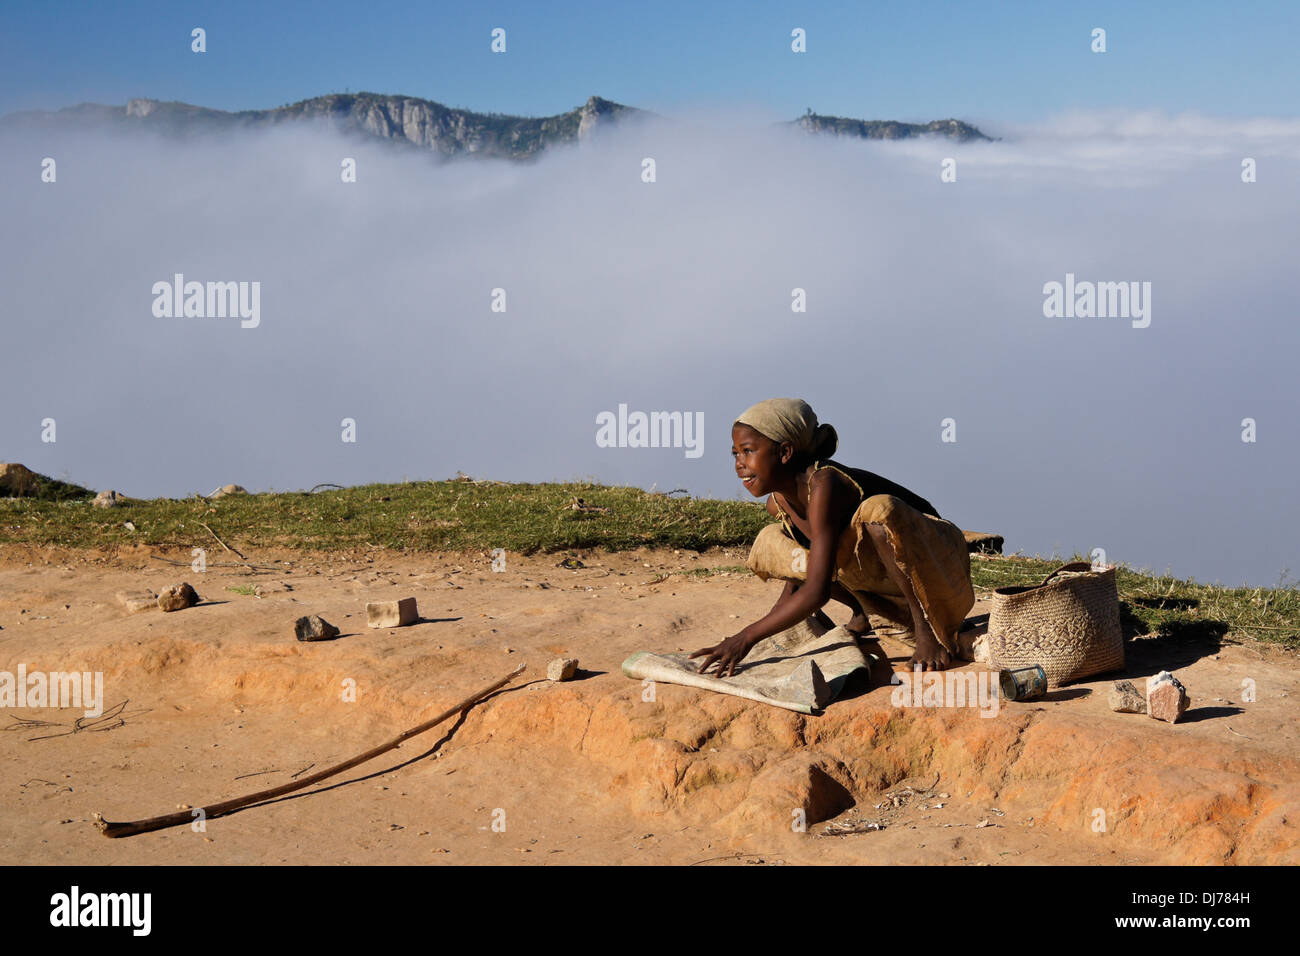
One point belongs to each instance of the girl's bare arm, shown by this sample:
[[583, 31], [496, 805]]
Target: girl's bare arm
[[793, 605]]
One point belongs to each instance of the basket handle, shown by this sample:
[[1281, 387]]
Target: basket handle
[[1072, 566]]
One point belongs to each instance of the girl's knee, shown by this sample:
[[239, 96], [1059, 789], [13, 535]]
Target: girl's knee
[[878, 507]]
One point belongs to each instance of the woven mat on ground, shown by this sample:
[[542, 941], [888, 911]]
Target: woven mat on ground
[[801, 669]]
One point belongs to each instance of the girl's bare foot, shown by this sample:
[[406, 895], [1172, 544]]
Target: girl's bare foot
[[859, 626], [930, 655]]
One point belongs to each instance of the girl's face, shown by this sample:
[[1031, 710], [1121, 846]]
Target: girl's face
[[759, 460]]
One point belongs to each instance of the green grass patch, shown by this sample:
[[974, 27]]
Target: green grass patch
[[411, 516]]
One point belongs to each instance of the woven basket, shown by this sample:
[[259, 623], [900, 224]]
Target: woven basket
[[1069, 625]]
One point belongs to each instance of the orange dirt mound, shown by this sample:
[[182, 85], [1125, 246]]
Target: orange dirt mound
[[224, 701]]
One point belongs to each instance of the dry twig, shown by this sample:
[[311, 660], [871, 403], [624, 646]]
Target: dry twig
[[188, 815]]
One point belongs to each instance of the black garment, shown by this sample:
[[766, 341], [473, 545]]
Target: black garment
[[868, 483]]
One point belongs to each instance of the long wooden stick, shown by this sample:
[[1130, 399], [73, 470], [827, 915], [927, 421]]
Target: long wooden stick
[[217, 809]]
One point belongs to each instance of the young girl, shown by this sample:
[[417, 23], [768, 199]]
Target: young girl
[[846, 534]]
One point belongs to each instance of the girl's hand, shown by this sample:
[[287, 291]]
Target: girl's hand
[[726, 655]]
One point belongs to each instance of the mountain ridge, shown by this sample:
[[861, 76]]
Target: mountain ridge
[[432, 126]]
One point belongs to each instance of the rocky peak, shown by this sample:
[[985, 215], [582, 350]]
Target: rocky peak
[[889, 129], [598, 112]]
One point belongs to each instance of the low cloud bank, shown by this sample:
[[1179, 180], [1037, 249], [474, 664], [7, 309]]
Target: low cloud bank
[[924, 304]]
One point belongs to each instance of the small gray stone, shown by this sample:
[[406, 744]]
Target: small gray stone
[[1125, 698], [562, 668], [177, 596], [228, 490], [107, 499], [1166, 697], [392, 613], [314, 628]]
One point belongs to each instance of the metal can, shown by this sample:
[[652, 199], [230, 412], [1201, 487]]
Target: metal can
[[1023, 683]]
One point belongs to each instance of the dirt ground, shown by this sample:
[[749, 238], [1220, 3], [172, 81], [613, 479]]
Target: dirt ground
[[222, 700]]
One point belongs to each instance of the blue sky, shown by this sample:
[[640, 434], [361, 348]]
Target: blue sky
[[1013, 62]]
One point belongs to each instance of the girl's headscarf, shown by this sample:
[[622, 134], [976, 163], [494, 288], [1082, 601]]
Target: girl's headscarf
[[792, 420]]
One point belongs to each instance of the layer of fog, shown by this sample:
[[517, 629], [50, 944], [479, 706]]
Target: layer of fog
[[924, 302]]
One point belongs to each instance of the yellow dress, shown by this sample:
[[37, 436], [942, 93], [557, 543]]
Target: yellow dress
[[930, 551]]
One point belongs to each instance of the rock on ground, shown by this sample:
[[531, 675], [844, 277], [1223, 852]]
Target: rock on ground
[[135, 601], [1125, 698], [392, 613], [1166, 697], [313, 627], [177, 596], [562, 668]]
